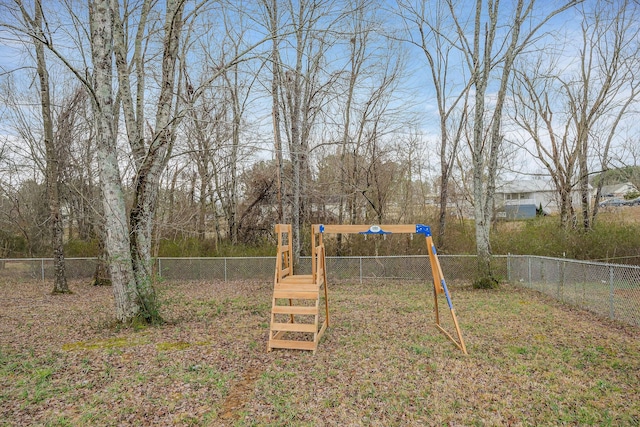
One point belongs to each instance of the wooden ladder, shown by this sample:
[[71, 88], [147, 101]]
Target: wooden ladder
[[295, 312]]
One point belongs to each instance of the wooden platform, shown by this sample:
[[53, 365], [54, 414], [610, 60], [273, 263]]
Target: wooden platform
[[296, 318]]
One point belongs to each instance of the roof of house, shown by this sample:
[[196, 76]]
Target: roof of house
[[525, 186], [529, 186], [623, 188]]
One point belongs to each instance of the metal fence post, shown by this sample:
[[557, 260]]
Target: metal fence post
[[558, 281], [611, 307], [360, 270], [509, 267], [225, 269], [159, 267], [529, 271], [561, 267]]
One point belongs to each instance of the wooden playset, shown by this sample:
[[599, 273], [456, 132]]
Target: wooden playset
[[298, 319]]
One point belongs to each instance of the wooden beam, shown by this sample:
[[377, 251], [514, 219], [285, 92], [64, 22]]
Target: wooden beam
[[361, 228], [291, 344], [294, 327], [295, 295], [294, 309]]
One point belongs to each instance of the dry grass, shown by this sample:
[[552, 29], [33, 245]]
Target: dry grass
[[381, 363], [628, 214]]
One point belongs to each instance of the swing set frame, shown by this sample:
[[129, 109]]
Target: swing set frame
[[439, 283], [286, 283]]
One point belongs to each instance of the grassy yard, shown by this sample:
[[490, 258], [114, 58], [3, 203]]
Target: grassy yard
[[381, 363]]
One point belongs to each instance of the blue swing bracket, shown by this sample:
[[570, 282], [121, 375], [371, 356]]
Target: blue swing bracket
[[375, 229], [423, 229]]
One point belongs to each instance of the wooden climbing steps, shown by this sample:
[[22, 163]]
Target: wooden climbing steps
[[297, 321]]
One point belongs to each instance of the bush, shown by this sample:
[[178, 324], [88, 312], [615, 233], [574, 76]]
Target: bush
[[81, 248], [486, 283], [537, 236], [632, 195], [187, 247], [12, 245], [227, 249], [543, 236], [193, 247]]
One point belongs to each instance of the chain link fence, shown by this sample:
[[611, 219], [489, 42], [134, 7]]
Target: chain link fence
[[610, 290]]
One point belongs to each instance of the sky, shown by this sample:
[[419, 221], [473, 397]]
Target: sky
[[414, 94]]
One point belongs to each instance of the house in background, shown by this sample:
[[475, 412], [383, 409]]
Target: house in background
[[523, 199], [617, 191]]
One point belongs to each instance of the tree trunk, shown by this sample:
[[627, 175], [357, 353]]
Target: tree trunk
[[236, 111], [101, 273], [148, 177], [202, 208], [485, 152], [133, 115], [52, 173], [271, 7], [117, 243], [583, 169]]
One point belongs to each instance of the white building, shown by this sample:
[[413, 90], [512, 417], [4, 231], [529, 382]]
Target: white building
[[617, 190], [522, 198]]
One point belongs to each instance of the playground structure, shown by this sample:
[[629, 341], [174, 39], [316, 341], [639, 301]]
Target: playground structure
[[297, 321]]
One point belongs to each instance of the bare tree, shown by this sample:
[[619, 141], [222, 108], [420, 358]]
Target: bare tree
[[76, 158], [411, 195], [438, 41], [98, 85], [125, 32], [273, 19], [152, 164], [303, 87], [575, 114], [607, 86], [533, 110], [360, 35], [25, 212], [238, 85], [364, 114], [117, 241], [36, 30], [206, 131], [498, 39]]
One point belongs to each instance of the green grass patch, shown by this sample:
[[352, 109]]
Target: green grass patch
[[106, 344], [381, 361]]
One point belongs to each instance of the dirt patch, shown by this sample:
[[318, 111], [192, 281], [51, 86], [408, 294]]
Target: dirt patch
[[241, 393], [632, 294]]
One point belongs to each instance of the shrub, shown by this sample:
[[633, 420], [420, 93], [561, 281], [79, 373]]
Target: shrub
[[543, 236], [12, 245], [193, 247], [486, 283], [632, 195], [81, 248]]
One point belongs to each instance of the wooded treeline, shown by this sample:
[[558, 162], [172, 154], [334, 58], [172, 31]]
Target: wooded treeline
[[126, 123]]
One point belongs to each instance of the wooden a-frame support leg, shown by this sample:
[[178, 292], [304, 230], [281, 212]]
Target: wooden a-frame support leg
[[440, 286]]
